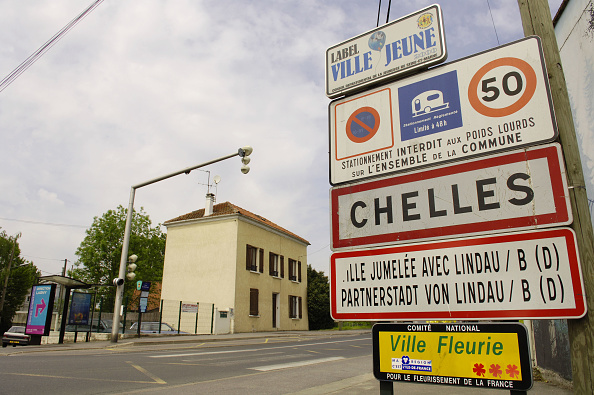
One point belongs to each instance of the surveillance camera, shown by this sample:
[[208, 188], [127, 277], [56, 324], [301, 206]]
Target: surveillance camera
[[118, 281]]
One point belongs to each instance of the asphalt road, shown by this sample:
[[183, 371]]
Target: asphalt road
[[296, 363], [252, 366]]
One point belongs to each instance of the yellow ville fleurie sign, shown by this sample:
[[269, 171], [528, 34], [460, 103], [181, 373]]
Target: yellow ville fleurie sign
[[465, 354]]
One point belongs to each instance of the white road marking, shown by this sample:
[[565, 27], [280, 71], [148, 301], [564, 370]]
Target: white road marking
[[295, 364], [249, 350]]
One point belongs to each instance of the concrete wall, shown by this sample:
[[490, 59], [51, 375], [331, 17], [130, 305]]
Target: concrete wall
[[200, 262], [551, 342]]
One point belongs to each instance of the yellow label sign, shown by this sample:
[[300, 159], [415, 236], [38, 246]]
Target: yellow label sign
[[471, 355], [489, 355]]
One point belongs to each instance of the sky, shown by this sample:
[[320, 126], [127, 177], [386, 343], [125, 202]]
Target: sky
[[138, 90]]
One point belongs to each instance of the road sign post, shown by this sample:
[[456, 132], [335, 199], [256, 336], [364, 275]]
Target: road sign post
[[494, 356], [413, 42], [493, 101], [524, 189], [522, 275]]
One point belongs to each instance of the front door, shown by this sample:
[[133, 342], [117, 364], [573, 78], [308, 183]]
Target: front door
[[275, 307]]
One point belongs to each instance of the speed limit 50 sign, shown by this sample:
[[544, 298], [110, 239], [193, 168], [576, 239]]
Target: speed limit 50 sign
[[493, 101]]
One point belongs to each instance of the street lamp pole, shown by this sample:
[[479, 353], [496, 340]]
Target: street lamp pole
[[243, 152]]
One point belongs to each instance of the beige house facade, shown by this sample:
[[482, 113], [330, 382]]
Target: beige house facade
[[242, 263]]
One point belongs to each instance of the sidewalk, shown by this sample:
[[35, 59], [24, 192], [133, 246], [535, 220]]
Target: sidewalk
[[359, 385]]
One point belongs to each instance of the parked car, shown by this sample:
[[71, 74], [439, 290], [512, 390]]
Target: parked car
[[153, 327], [100, 326], [15, 336]]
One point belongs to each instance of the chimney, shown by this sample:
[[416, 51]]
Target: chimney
[[210, 198]]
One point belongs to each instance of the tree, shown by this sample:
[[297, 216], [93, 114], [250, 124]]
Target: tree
[[318, 300], [100, 252], [21, 277]]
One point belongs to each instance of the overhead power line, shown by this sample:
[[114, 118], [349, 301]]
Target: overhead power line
[[45, 47], [43, 223]]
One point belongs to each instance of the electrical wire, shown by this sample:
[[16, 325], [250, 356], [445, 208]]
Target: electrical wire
[[378, 12], [492, 20], [43, 223], [388, 15], [6, 81]]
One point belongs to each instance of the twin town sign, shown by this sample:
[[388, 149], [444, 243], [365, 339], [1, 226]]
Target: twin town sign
[[493, 101], [522, 275]]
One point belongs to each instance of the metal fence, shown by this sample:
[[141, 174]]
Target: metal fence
[[187, 317]]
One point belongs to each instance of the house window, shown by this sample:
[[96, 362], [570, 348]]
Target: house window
[[253, 302], [254, 259], [295, 307], [294, 270], [273, 264]]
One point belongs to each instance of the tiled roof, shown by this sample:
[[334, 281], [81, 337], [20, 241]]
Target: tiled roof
[[231, 209]]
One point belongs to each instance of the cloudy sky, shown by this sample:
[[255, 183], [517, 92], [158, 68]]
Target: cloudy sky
[[139, 89]]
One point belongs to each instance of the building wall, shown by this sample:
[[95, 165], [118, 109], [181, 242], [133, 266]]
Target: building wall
[[257, 236], [205, 262], [200, 262]]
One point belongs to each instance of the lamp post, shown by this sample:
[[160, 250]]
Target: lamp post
[[243, 152]]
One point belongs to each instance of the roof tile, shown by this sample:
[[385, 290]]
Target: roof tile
[[229, 209]]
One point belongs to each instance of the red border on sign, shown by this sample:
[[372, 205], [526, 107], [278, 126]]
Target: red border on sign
[[481, 108], [389, 122], [561, 216], [574, 265]]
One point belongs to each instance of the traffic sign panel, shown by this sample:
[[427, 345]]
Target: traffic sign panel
[[523, 189], [470, 354], [399, 47], [493, 101], [523, 275]]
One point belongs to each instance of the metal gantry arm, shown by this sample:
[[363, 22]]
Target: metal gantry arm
[[243, 152]]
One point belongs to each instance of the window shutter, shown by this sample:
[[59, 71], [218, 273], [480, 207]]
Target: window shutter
[[248, 264], [253, 301], [270, 264], [290, 306], [282, 266], [299, 271], [300, 308], [261, 260]]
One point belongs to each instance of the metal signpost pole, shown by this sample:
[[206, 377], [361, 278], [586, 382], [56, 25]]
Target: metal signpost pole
[[243, 152]]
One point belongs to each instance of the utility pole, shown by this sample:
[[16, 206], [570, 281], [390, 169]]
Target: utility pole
[[536, 20]]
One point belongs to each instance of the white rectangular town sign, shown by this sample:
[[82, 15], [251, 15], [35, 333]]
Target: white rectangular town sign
[[409, 43], [517, 190], [523, 275], [493, 101]]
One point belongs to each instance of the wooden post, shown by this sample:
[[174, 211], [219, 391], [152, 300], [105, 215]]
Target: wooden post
[[536, 20]]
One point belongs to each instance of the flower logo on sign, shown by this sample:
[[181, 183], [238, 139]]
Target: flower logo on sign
[[513, 371], [495, 370], [479, 369]]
